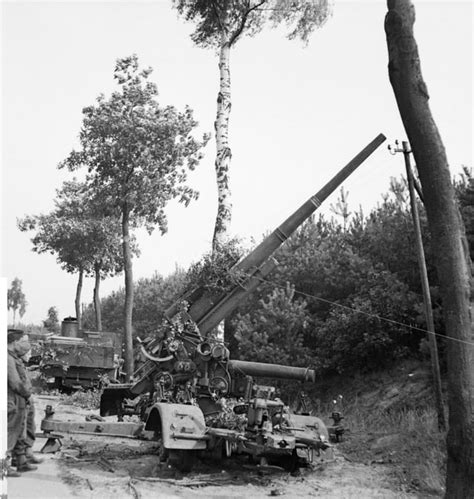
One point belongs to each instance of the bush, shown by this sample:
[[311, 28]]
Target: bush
[[355, 338], [275, 331]]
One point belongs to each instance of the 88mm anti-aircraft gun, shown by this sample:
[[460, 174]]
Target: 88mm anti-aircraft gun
[[195, 398]]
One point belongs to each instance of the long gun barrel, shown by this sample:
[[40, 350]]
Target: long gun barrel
[[284, 231], [208, 311], [259, 369]]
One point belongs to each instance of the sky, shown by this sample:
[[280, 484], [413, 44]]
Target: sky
[[299, 114]]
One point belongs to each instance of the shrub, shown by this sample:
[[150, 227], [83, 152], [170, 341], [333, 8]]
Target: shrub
[[275, 331]]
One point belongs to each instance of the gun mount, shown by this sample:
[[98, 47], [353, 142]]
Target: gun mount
[[194, 398], [188, 388]]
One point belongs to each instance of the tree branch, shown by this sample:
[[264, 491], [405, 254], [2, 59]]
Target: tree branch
[[239, 30]]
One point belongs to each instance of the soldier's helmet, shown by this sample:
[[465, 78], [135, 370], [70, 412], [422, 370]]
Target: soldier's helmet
[[14, 335]]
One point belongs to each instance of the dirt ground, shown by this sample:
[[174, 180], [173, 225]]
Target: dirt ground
[[108, 467]]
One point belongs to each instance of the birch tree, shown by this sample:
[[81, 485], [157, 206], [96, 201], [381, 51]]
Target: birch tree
[[220, 24], [449, 240], [137, 154]]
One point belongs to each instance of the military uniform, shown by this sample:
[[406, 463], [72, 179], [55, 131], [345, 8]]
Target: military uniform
[[29, 435], [19, 392], [30, 430]]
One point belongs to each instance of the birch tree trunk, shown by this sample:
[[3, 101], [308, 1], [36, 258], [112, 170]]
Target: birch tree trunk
[[223, 152], [449, 241], [128, 307], [77, 301], [98, 312]]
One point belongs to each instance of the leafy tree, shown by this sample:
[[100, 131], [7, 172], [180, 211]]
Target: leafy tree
[[52, 321], [390, 225], [101, 236], [16, 299], [84, 239], [219, 25], [137, 154]]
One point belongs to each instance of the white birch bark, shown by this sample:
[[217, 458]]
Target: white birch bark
[[223, 151]]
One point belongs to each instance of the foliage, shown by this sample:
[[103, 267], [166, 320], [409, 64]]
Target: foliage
[[82, 236], [153, 296], [357, 338], [220, 24], [87, 399], [52, 321], [236, 18], [137, 153], [16, 299], [341, 208], [275, 331], [388, 237], [215, 272], [77, 232], [354, 302], [352, 284]]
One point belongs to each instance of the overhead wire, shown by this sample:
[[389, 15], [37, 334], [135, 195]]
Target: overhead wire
[[375, 316]]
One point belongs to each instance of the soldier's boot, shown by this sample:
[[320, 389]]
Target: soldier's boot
[[10, 472], [23, 465], [31, 458]]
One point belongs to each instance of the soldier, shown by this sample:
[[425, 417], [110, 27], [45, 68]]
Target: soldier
[[30, 433], [19, 393]]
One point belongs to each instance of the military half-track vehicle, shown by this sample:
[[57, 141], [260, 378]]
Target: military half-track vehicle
[[78, 358]]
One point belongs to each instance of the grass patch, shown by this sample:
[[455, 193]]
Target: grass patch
[[407, 440]]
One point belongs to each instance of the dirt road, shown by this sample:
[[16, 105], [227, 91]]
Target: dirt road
[[107, 467]]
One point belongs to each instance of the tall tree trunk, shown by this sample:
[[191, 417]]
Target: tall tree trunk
[[449, 241], [223, 152], [98, 312], [128, 307], [14, 316], [77, 301]]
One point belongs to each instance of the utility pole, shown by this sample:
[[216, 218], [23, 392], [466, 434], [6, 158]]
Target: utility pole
[[405, 149]]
